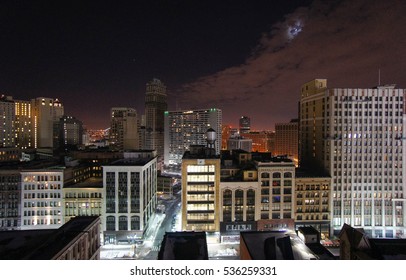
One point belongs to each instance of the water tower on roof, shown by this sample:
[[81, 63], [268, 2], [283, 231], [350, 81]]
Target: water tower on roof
[[211, 137]]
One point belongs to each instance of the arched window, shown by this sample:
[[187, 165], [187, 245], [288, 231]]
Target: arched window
[[227, 205], [135, 223], [238, 209], [287, 174], [265, 175], [122, 223], [110, 223]]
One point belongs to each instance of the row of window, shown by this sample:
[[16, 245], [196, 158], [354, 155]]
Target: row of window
[[42, 195], [42, 178], [83, 195], [276, 175], [42, 213], [34, 222], [122, 223], [368, 221], [30, 204], [33, 187]]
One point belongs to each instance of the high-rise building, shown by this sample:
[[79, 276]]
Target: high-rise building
[[23, 124], [245, 124], [225, 135], [129, 192], [124, 129], [155, 107], [200, 189], [260, 140], [7, 119], [286, 139], [186, 128], [68, 132], [357, 137], [45, 112]]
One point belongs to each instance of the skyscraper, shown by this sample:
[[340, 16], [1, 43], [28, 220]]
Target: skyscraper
[[245, 124], [68, 132], [155, 106], [23, 124], [45, 112], [186, 128], [356, 136], [286, 139], [7, 118], [124, 129]]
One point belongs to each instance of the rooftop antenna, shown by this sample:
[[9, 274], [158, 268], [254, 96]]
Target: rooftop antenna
[[379, 76]]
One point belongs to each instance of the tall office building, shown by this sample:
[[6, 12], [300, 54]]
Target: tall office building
[[356, 136], [129, 192], [245, 124], [124, 129], [185, 128], [45, 112], [200, 189], [23, 124], [155, 107], [260, 140], [7, 119], [286, 139], [68, 132]]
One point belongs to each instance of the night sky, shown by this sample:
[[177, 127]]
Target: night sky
[[244, 57]]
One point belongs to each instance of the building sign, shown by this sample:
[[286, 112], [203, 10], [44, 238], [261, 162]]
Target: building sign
[[238, 227], [200, 161]]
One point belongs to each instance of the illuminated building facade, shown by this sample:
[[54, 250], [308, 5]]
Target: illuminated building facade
[[287, 140], [357, 137], [186, 128], [129, 189], [124, 129], [277, 180], [83, 199], [45, 112], [7, 119], [312, 203], [42, 198], [23, 124], [200, 190]]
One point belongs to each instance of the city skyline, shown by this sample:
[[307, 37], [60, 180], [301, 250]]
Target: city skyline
[[247, 56]]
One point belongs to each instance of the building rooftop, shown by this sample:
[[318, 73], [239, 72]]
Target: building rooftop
[[184, 246], [308, 230], [388, 249], [304, 173], [92, 182], [200, 152], [41, 244], [131, 162], [277, 245]]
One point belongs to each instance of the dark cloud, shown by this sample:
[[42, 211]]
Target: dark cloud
[[346, 42]]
